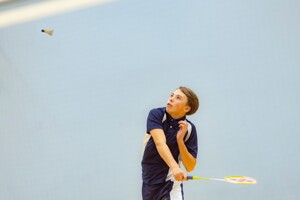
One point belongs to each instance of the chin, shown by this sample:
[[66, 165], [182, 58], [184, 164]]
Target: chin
[[168, 110]]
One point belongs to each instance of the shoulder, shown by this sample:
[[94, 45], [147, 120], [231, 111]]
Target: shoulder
[[159, 112], [192, 124], [155, 118], [156, 115]]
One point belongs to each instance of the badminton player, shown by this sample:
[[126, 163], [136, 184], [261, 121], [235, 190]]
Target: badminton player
[[170, 138]]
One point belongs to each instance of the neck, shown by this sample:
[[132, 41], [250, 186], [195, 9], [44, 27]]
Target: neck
[[176, 116]]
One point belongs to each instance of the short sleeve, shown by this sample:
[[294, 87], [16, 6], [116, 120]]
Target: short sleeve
[[154, 120]]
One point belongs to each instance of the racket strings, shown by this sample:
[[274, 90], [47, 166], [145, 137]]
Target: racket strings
[[240, 180]]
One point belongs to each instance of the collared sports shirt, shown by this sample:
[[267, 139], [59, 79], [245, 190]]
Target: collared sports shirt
[[154, 168]]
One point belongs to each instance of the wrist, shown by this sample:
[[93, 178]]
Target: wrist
[[175, 167]]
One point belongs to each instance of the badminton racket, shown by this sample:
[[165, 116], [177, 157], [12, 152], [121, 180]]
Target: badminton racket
[[230, 179]]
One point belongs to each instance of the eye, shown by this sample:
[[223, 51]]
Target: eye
[[178, 97]]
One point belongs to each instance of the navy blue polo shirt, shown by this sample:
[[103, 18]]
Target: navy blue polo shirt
[[154, 168]]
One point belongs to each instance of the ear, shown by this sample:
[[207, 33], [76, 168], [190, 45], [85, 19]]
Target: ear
[[187, 109]]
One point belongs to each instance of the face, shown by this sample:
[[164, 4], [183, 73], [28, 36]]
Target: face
[[177, 104]]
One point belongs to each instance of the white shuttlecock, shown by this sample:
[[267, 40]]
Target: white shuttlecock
[[48, 31]]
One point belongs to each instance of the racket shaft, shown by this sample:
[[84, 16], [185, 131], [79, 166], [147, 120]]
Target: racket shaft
[[202, 178]]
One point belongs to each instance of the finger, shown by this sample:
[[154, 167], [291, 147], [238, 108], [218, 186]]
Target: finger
[[183, 124], [177, 178]]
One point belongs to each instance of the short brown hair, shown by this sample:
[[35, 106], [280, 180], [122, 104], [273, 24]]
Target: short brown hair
[[193, 100]]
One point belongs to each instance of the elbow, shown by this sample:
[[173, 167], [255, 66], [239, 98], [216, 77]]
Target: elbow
[[191, 166], [189, 169], [160, 146]]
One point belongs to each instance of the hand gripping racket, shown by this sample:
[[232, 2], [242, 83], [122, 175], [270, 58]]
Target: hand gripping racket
[[230, 179]]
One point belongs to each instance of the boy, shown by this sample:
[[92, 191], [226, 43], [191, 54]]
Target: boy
[[170, 138]]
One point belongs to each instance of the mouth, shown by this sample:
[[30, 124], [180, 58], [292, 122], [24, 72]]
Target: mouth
[[168, 105]]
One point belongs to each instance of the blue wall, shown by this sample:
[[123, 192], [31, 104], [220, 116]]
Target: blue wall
[[73, 106]]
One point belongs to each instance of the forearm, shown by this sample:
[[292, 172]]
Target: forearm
[[187, 159]]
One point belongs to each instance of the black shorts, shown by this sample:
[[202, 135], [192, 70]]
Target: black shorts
[[168, 190]]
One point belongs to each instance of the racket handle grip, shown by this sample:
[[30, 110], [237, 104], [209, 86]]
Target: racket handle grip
[[189, 177]]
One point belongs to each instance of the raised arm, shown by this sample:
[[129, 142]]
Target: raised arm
[[188, 160]]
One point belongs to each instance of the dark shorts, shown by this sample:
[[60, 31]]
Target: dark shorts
[[161, 191]]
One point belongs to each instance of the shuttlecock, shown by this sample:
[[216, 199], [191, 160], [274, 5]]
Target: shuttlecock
[[48, 31]]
